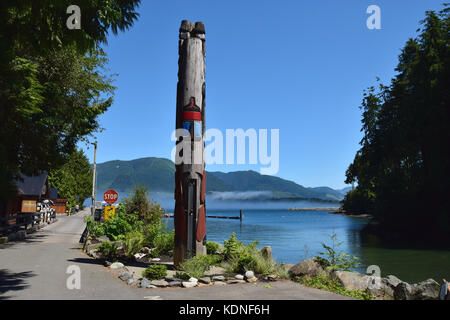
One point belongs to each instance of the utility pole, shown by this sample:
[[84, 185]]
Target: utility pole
[[190, 215], [94, 178]]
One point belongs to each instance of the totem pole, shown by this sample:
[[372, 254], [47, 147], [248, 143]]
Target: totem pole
[[190, 215]]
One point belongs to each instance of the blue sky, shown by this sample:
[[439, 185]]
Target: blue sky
[[297, 66]]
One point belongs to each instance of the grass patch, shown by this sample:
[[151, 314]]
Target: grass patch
[[197, 266], [325, 283]]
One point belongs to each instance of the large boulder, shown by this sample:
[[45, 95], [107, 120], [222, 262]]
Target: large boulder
[[309, 267], [352, 280], [426, 290], [403, 291]]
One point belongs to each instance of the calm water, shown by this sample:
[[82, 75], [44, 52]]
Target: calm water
[[297, 235]]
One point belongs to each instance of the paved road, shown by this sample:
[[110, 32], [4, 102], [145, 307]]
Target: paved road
[[36, 269]]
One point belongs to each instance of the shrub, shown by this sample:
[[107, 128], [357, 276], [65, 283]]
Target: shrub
[[245, 263], [197, 266], [164, 243], [155, 272], [133, 242], [240, 258], [232, 247], [93, 227], [138, 203], [211, 247], [337, 259], [109, 249]]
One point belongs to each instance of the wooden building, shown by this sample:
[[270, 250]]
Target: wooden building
[[31, 190]]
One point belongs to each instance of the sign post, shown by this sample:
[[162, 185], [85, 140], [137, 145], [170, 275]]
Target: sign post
[[110, 197]]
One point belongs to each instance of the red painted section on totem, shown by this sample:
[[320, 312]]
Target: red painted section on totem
[[201, 224], [192, 115], [202, 196], [180, 222]]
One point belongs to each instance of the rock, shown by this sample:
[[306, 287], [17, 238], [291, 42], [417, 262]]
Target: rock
[[272, 277], [126, 275], [117, 265], [102, 239], [388, 285], [254, 279], [352, 280], [218, 278], [267, 252], [120, 251], [215, 271], [171, 279], [140, 257], [107, 263], [144, 283], [188, 284], [145, 250], [130, 281], [205, 280], [175, 284], [219, 283], [156, 260], [239, 277], [234, 281], [95, 253], [403, 291], [426, 290], [309, 267], [160, 283], [249, 274], [192, 279]]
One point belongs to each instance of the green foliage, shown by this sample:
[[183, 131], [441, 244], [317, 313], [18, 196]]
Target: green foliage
[[138, 203], [133, 242], [333, 285], [155, 272], [197, 266], [233, 247], [211, 247], [240, 258], [93, 227], [164, 243], [73, 179], [52, 85], [337, 259], [402, 167], [109, 249]]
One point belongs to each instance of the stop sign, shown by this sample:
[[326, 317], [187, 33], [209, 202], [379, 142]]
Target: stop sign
[[110, 196]]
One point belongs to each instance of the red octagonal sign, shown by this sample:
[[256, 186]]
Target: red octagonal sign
[[110, 196]]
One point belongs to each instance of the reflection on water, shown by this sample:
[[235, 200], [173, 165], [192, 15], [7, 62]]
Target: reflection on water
[[296, 235]]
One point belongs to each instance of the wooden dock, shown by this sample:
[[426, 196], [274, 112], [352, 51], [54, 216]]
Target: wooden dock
[[171, 215], [313, 209]]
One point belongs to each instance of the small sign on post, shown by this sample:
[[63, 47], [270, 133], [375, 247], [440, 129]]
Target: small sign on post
[[110, 212]]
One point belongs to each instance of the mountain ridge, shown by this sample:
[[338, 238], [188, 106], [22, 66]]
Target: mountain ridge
[[158, 175]]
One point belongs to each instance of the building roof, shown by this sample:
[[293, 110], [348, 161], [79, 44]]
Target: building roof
[[32, 185], [53, 193]]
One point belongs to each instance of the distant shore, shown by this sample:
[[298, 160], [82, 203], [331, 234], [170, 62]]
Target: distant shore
[[333, 211]]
